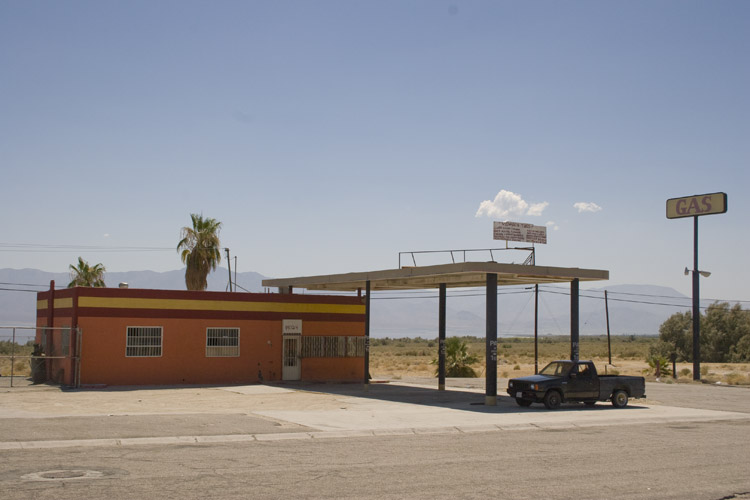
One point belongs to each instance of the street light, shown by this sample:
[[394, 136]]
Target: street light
[[705, 274]]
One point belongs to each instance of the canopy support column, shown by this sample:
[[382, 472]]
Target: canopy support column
[[441, 338], [574, 320], [490, 392], [367, 336]]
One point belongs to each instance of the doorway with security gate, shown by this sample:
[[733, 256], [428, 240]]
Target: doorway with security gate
[[291, 368]]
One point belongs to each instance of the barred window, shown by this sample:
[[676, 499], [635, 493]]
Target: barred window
[[332, 347], [222, 342], [144, 341]]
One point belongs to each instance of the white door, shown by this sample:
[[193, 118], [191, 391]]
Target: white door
[[291, 330], [291, 369]]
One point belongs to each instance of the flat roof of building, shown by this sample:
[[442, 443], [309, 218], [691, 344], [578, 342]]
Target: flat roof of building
[[463, 274]]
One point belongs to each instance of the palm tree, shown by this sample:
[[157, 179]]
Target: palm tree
[[199, 250], [458, 361], [85, 275]]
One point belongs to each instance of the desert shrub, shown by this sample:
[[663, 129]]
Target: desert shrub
[[517, 367], [735, 378], [458, 360], [686, 372], [659, 366]]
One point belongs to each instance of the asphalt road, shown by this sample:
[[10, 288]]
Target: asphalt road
[[158, 443], [687, 461]]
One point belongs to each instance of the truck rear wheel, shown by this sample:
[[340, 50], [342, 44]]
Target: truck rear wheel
[[523, 402], [619, 399], [552, 400]]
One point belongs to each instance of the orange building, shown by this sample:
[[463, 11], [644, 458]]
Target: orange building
[[118, 336]]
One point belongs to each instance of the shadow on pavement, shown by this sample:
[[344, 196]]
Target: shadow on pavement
[[455, 399]]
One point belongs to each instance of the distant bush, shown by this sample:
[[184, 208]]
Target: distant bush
[[725, 335]]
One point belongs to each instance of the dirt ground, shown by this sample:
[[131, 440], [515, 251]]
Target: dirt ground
[[721, 373]]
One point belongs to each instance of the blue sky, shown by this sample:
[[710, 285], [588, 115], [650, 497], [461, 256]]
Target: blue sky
[[327, 136]]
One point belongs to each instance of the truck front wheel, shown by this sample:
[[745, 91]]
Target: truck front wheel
[[619, 399], [552, 400], [523, 402]]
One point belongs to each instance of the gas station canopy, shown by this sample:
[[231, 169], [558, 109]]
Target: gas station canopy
[[490, 275], [463, 274]]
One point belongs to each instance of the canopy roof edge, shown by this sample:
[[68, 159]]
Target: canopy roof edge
[[460, 275]]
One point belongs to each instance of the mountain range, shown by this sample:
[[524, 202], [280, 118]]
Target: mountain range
[[633, 309]]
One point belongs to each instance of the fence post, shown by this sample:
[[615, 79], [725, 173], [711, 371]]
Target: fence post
[[12, 357], [78, 357]]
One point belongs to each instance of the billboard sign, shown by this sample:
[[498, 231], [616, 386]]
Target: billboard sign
[[699, 204], [518, 231]]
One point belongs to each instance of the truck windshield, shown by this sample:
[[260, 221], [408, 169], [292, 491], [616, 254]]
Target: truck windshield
[[556, 368]]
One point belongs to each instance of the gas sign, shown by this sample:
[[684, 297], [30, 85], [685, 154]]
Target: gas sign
[[699, 204]]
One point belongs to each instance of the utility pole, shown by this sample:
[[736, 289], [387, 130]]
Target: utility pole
[[606, 311], [229, 267]]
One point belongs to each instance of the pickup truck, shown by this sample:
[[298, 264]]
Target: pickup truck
[[562, 381]]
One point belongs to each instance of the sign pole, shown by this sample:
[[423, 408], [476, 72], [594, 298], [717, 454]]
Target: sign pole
[[696, 306], [696, 206]]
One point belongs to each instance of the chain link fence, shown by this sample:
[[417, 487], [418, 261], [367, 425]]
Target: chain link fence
[[35, 355]]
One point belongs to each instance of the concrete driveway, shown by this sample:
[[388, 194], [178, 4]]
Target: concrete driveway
[[49, 417]]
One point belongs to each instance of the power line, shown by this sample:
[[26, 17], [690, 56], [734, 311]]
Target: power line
[[652, 295], [17, 290], [22, 284], [57, 248]]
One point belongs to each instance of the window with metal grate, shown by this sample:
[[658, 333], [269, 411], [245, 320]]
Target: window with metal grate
[[332, 347], [144, 341], [222, 342]]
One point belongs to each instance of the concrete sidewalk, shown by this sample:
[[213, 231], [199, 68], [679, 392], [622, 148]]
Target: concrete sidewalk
[[46, 417]]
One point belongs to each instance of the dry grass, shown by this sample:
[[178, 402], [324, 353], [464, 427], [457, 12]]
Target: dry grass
[[397, 358], [21, 367]]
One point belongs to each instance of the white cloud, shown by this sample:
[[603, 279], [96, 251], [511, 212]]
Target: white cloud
[[551, 224], [583, 206], [536, 209], [507, 204]]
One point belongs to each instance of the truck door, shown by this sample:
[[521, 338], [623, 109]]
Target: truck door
[[582, 383]]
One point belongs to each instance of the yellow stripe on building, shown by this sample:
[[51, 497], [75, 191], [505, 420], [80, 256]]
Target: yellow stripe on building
[[59, 303], [217, 305]]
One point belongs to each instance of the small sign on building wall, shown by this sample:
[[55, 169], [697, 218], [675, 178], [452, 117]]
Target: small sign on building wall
[[291, 327]]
